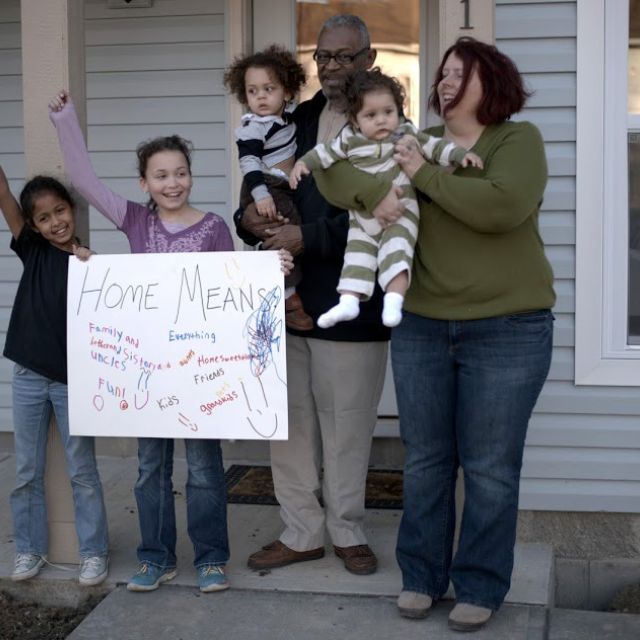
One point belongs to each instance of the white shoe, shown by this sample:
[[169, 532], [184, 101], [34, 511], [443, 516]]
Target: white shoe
[[412, 604], [27, 565], [93, 570], [468, 617]]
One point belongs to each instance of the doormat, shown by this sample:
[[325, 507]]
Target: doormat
[[248, 484]]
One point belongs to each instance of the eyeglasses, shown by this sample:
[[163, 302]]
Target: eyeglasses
[[343, 59]]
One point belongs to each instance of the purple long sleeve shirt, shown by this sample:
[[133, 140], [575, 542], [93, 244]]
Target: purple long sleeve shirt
[[145, 231]]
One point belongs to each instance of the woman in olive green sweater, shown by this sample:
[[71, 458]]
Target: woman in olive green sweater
[[473, 351]]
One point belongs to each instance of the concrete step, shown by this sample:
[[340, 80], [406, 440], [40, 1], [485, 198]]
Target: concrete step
[[169, 614], [250, 527]]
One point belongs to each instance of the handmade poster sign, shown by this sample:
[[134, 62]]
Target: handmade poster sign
[[186, 345]]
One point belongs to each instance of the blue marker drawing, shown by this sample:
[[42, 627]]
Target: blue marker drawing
[[263, 331]]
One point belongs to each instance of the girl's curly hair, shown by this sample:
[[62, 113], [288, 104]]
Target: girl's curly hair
[[279, 63], [363, 81]]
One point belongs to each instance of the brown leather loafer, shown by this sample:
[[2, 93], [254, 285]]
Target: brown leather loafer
[[277, 554], [295, 316], [358, 559]]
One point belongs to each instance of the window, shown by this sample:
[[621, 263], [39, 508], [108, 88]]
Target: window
[[608, 193], [395, 34]]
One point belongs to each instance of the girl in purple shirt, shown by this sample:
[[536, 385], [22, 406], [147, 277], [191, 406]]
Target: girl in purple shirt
[[168, 223]]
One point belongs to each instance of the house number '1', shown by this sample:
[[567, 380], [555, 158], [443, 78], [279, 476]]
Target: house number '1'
[[467, 23]]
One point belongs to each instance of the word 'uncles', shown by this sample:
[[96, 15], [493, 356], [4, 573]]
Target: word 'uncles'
[[109, 293]]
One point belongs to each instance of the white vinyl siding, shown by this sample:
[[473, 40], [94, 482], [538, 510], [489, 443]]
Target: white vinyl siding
[[12, 161], [583, 445], [154, 72]]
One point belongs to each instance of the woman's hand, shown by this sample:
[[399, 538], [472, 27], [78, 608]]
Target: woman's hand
[[408, 155], [389, 209], [58, 102], [286, 261]]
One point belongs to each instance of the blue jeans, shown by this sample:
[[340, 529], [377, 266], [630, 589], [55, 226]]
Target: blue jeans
[[466, 390], [34, 399], [206, 502]]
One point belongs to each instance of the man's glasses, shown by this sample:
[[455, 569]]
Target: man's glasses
[[343, 59]]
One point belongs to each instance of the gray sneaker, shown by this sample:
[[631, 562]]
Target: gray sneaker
[[468, 617], [93, 570], [27, 565], [412, 604]]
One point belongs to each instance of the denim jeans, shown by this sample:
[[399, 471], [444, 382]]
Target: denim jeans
[[206, 502], [34, 399], [466, 390]]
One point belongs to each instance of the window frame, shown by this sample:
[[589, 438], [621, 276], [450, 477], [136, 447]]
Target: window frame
[[602, 355]]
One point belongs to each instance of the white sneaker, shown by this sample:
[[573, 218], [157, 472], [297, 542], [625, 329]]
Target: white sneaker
[[468, 617], [412, 604], [27, 565], [93, 570]]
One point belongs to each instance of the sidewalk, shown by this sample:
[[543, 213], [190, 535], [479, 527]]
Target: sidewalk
[[317, 599]]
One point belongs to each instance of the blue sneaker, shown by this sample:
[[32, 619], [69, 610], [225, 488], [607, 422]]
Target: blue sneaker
[[149, 577], [212, 578]]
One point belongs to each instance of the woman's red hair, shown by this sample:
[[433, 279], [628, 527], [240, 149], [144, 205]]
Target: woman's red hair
[[503, 92]]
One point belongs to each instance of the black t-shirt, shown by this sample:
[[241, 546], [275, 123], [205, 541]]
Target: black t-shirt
[[37, 334]]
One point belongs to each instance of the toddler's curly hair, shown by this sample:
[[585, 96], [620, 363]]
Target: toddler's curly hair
[[279, 63], [361, 82]]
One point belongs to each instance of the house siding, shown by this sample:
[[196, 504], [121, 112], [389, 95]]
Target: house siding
[[153, 72], [583, 445], [149, 72], [13, 163], [159, 70]]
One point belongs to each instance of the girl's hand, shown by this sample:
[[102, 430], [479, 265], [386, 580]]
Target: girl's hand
[[286, 261], [299, 169], [472, 160], [58, 102], [266, 208], [4, 183], [82, 253], [408, 155]]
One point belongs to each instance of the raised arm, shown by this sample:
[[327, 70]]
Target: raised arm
[[10, 207], [77, 164], [507, 193]]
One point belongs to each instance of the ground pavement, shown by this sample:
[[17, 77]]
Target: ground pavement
[[310, 600]]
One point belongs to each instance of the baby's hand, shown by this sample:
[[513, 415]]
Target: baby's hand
[[299, 169], [286, 261], [472, 160], [58, 102], [82, 253], [266, 207]]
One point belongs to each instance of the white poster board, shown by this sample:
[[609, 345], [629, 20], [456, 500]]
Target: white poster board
[[185, 345]]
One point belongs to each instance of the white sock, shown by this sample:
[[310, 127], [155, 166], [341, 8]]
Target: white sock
[[347, 309], [392, 309]]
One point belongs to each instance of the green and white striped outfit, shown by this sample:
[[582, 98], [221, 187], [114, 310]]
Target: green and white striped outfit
[[371, 248]]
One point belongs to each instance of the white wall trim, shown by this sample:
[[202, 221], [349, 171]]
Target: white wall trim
[[601, 358]]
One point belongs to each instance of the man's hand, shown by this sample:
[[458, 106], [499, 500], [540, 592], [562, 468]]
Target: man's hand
[[257, 225], [288, 236]]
